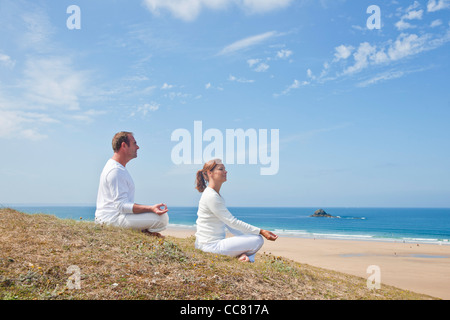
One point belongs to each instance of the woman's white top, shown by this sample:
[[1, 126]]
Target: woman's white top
[[214, 217]]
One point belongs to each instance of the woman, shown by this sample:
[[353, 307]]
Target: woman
[[214, 217]]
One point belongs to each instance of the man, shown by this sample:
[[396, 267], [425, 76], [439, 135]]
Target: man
[[115, 198]]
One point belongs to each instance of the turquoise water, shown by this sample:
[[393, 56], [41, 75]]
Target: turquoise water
[[425, 225]]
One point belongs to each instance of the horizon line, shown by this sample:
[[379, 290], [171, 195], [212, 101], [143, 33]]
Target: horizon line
[[49, 204]]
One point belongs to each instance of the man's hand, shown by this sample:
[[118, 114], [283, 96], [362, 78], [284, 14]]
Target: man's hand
[[159, 208]]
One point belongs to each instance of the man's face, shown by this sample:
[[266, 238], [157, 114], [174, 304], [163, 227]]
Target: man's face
[[133, 148]]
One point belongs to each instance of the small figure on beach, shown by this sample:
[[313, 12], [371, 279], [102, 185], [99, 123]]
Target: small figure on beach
[[115, 198], [213, 218]]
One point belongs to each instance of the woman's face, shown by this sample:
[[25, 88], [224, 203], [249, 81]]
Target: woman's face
[[219, 174]]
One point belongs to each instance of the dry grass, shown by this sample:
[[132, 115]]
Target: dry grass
[[37, 250]]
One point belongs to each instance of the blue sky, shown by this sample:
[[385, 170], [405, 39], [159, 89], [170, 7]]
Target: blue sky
[[362, 113]]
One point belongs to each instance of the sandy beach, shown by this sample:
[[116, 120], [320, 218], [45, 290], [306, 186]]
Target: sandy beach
[[422, 268]]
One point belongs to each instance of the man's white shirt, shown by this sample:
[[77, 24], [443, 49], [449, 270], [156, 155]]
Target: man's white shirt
[[115, 196]]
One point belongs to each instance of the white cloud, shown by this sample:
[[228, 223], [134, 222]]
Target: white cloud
[[257, 65], [52, 82], [137, 78], [436, 23], [6, 61], [189, 10], [366, 55], [44, 87], [47, 78], [361, 57], [359, 28], [381, 77], [388, 75], [166, 86], [406, 45], [252, 62], [241, 80], [414, 14], [262, 6], [262, 67], [380, 57], [283, 54], [86, 116], [144, 109], [37, 30], [209, 86], [434, 5], [343, 52], [403, 25], [295, 85], [248, 42], [48, 92], [415, 5], [178, 95], [18, 124], [410, 14]]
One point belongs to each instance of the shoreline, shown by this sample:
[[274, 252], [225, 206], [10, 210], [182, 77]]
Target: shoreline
[[418, 267], [324, 236]]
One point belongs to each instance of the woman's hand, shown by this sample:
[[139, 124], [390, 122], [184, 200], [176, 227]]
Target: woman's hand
[[268, 235]]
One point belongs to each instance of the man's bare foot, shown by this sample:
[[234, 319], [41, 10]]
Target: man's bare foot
[[157, 234], [244, 258], [154, 234]]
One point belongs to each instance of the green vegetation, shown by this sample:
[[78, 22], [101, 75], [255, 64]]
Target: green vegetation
[[37, 250]]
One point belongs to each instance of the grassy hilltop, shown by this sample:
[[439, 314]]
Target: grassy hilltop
[[44, 257]]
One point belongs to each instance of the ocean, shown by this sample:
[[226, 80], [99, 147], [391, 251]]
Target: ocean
[[418, 225]]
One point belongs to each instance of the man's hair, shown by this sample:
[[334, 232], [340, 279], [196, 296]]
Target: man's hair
[[119, 138]]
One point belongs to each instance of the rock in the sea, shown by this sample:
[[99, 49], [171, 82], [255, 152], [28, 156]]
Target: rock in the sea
[[321, 213]]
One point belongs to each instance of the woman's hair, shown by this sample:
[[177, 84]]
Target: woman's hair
[[201, 177]]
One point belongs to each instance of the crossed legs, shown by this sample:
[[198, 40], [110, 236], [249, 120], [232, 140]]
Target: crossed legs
[[242, 246], [147, 222]]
